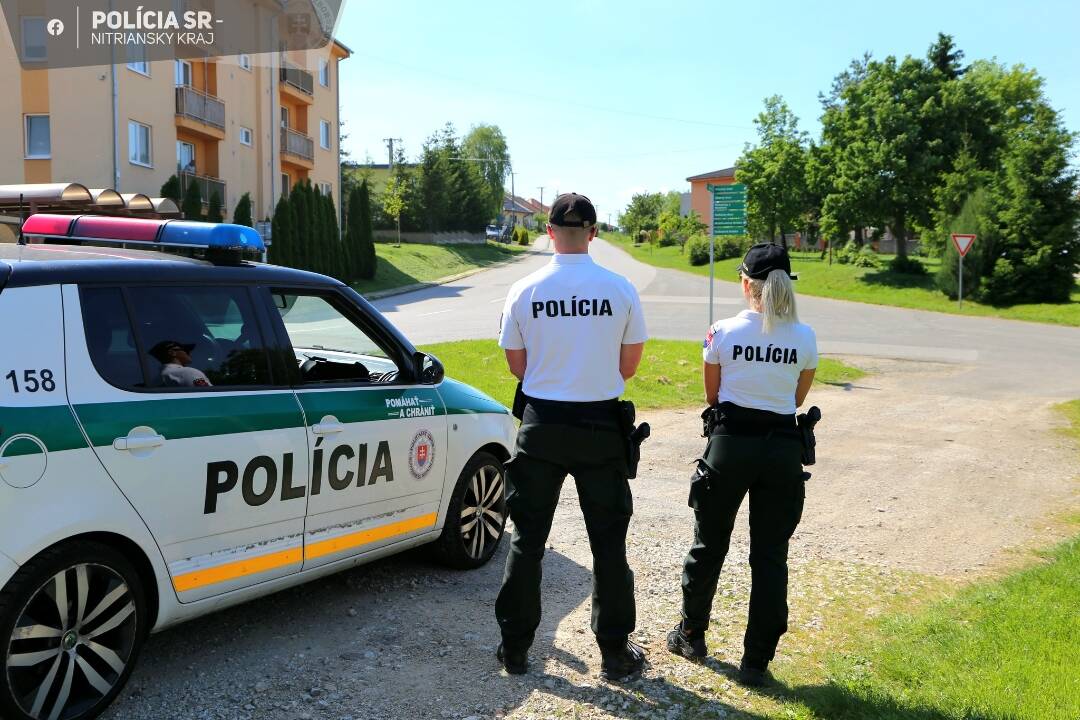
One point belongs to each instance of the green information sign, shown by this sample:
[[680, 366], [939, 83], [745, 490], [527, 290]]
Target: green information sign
[[729, 209]]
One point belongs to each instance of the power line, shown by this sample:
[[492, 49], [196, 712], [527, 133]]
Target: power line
[[493, 88]]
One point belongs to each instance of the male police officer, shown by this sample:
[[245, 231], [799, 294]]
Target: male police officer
[[573, 333]]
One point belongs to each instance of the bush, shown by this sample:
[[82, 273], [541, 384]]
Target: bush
[[906, 266], [192, 204], [242, 213], [730, 246], [213, 213], [845, 253], [520, 235], [697, 249], [866, 258]]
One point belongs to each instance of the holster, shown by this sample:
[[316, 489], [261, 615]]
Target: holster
[[634, 434], [518, 410], [805, 423]]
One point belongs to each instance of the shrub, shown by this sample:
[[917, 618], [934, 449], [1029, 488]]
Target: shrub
[[192, 204], [906, 266], [213, 213], [171, 190], [845, 253], [697, 249], [866, 258], [730, 246], [520, 235], [242, 213]]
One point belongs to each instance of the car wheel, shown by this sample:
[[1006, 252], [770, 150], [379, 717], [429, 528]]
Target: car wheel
[[72, 621], [477, 514]]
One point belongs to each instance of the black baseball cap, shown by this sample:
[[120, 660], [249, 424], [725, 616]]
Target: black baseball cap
[[572, 210], [162, 349], [763, 258]]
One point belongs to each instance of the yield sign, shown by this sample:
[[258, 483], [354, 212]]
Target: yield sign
[[963, 243]]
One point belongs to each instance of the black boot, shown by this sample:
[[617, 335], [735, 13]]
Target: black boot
[[689, 645], [515, 661], [621, 662], [753, 674]]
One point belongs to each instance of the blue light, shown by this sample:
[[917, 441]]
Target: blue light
[[212, 235]]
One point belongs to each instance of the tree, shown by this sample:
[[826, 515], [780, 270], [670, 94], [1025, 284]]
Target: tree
[[487, 143], [192, 204], [303, 252], [283, 234], [213, 213], [394, 203], [642, 214], [774, 171], [171, 190], [242, 213]]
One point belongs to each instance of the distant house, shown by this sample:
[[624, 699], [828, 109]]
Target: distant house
[[518, 211]]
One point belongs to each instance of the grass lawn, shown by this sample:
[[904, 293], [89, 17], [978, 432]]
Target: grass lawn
[[669, 376], [1071, 411], [410, 263], [868, 285]]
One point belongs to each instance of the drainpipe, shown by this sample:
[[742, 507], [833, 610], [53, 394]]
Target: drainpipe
[[115, 116]]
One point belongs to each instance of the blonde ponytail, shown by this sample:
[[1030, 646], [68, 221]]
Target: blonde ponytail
[[774, 298]]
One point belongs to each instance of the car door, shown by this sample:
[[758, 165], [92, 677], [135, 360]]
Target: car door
[[174, 389], [378, 441]]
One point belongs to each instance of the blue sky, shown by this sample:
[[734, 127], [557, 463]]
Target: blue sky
[[611, 98]]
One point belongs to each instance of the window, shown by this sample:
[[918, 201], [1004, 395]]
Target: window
[[192, 338], [330, 347], [109, 337], [324, 73], [183, 73], [285, 181], [284, 117], [33, 39], [326, 189], [185, 156], [137, 59], [38, 137], [245, 62], [246, 136], [324, 134], [139, 144]]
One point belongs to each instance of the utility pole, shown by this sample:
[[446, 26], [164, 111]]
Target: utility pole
[[541, 189], [390, 146], [513, 199]]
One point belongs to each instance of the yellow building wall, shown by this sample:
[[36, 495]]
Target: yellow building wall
[[81, 118], [325, 108], [150, 101], [11, 122]]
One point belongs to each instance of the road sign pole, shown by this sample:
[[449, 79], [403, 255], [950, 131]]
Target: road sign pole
[[712, 245], [960, 292]]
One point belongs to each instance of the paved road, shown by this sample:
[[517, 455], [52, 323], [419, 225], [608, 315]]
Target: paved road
[[995, 357]]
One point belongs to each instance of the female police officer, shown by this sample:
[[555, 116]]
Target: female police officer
[[759, 366]]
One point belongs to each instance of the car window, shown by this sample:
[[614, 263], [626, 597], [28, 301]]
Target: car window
[[329, 347], [109, 337], [199, 337]]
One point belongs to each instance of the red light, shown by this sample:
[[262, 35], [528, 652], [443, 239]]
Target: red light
[[45, 224], [115, 228]]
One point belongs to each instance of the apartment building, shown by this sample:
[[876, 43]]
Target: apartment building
[[246, 123]]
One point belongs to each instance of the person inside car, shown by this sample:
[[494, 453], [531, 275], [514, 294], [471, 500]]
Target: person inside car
[[175, 359]]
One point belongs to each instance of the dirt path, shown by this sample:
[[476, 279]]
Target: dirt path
[[932, 484]]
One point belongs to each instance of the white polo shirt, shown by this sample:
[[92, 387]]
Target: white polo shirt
[[760, 371], [572, 318], [176, 375]]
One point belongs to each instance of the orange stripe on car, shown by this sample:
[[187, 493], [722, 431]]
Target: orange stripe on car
[[273, 561]]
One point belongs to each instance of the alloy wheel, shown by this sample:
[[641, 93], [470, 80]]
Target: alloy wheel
[[483, 511], [72, 642]]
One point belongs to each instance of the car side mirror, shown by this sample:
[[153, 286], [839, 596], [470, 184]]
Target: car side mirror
[[429, 369]]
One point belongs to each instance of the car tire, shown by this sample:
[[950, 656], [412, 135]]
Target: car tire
[[476, 517], [70, 663]]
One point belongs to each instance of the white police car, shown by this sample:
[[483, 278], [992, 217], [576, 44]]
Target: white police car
[[178, 435]]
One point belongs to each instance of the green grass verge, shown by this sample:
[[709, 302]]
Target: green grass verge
[[868, 285], [669, 376], [411, 263], [1071, 411]]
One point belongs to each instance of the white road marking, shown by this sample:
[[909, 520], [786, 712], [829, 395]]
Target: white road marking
[[688, 300], [437, 312]]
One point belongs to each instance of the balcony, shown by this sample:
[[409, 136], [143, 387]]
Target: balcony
[[207, 186], [297, 82], [200, 113], [297, 148]]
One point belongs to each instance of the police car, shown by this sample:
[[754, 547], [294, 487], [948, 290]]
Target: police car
[[184, 431]]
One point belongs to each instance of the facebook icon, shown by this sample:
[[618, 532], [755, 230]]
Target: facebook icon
[[56, 27]]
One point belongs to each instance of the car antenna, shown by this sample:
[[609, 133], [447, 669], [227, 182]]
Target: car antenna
[[22, 220]]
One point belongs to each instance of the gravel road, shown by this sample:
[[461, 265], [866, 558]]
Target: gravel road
[[934, 484]]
